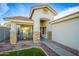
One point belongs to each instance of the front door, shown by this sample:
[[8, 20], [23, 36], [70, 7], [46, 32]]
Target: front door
[[42, 32]]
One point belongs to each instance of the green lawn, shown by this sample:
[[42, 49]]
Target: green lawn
[[25, 52]]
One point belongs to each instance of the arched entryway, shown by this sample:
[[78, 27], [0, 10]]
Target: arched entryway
[[45, 33], [38, 12], [43, 29]]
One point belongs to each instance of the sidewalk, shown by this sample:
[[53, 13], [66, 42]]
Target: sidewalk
[[60, 51], [49, 51]]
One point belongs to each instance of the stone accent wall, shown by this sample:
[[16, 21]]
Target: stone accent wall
[[13, 37], [49, 35], [36, 37]]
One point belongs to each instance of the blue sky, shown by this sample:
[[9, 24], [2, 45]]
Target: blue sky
[[23, 9]]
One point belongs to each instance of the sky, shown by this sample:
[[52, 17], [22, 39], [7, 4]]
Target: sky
[[23, 9]]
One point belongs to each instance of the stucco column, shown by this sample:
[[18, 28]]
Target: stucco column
[[13, 34], [49, 33], [36, 31]]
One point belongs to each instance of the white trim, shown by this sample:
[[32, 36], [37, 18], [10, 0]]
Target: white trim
[[69, 17], [44, 51], [20, 20]]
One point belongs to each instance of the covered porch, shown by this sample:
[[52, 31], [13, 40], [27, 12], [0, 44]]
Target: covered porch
[[21, 29]]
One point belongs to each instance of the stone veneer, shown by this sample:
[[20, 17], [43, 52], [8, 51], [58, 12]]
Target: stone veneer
[[13, 37], [36, 37]]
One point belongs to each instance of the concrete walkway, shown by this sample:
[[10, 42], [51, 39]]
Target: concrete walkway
[[60, 51]]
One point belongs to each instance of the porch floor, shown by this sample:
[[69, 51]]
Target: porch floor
[[19, 45]]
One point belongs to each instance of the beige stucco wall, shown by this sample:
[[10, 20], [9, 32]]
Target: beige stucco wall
[[67, 33]]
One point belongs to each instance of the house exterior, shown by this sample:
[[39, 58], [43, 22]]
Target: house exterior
[[45, 22]]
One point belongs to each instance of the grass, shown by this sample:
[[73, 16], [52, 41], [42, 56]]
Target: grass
[[25, 52]]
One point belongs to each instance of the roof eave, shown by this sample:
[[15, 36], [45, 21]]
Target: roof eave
[[42, 6], [65, 18]]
